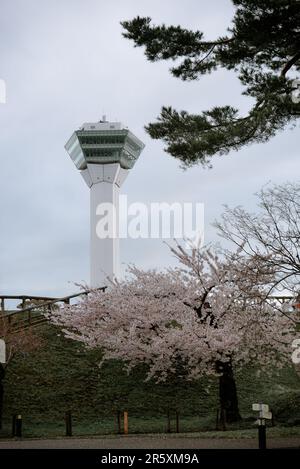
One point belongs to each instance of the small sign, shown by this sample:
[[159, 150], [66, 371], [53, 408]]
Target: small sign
[[260, 407], [2, 351], [266, 415], [264, 408], [264, 412]]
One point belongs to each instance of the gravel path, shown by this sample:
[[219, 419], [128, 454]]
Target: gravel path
[[146, 442]]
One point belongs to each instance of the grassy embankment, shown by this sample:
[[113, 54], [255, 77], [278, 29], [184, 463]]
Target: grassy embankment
[[62, 376]]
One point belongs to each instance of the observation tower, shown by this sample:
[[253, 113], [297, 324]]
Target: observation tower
[[104, 153]]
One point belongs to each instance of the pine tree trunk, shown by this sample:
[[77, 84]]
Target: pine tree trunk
[[228, 393]]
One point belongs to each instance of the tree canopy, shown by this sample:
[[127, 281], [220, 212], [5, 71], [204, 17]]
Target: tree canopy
[[262, 46], [271, 236], [206, 317]]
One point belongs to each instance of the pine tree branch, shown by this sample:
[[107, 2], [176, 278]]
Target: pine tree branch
[[220, 42], [290, 63]]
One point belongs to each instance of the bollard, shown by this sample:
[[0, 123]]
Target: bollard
[[68, 420], [262, 440], [18, 426], [125, 423]]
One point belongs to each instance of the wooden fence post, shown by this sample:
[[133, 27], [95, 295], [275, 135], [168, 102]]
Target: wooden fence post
[[217, 420], [68, 420], [223, 419], [119, 422], [168, 422], [177, 421], [125, 423], [13, 430], [18, 426]]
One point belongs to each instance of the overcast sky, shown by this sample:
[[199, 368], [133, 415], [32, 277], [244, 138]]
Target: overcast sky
[[65, 62]]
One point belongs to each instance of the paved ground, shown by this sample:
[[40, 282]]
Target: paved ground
[[146, 442]]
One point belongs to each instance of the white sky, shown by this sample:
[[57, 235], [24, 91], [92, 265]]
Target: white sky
[[65, 62]]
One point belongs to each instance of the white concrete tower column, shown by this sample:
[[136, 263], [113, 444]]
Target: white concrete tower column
[[104, 221]]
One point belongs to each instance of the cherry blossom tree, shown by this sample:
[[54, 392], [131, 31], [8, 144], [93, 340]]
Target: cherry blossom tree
[[205, 317]]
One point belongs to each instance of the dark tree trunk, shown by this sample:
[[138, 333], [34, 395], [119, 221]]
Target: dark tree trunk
[[2, 373], [229, 405]]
